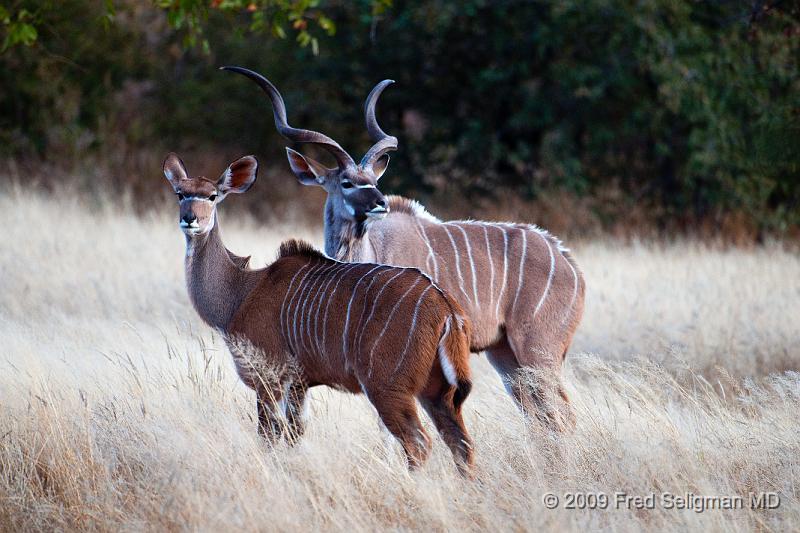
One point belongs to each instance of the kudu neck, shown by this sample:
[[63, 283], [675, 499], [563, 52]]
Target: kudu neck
[[217, 286], [344, 238]]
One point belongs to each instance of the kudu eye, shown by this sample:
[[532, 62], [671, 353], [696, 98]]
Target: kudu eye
[[347, 184], [180, 196], [212, 197]]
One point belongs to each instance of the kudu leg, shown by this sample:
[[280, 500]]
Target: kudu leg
[[295, 407], [270, 426], [399, 414], [542, 395], [537, 387], [280, 411], [450, 424]]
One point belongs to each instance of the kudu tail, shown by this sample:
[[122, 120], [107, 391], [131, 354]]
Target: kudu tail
[[454, 356]]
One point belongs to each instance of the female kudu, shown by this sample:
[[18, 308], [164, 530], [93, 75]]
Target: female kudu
[[520, 287], [309, 320]]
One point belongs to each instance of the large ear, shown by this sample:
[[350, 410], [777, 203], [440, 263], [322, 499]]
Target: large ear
[[239, 176], [379, 166], [174, 169], [308, 171]]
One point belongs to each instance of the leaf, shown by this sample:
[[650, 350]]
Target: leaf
[[23, 33], [327, 24]]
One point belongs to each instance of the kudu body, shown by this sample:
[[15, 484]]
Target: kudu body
[[309, 320], [521, 289]]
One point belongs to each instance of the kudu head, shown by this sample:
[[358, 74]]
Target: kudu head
[[198, 197], [352, 188]]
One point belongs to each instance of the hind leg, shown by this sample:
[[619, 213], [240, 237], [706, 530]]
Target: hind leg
[[536, 386], [280, 410], [295, 411], [399, 414], [437, 400]]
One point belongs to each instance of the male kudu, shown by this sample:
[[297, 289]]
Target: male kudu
[[520, 287]]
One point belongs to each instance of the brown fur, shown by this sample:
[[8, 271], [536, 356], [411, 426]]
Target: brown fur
[[307, 320]]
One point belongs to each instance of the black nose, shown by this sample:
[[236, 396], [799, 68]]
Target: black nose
[[380, 202], [189, 218]]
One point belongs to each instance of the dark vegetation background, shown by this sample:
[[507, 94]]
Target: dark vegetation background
[[630, 117]]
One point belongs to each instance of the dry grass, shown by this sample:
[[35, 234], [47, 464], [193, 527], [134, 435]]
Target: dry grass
[[120, 411]]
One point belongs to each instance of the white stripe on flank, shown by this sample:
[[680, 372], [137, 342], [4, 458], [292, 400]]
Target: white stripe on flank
[[305, 315], [574, 291], [301, 306], [323, 293], [360, 323], [301, 300], [309, 306], [299, 297], [471, 265], [412, 330], [491, 265], [386, 325], [431, 253], [342, 275], [288, 326], [458, 262], [549, 276], [349, 305], [521, 266], [285, 296], [375, 306], [505, 269]]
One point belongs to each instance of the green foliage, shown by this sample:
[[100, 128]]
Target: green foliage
[[687, 108], [191, 17], [18, 27], [274, 16]]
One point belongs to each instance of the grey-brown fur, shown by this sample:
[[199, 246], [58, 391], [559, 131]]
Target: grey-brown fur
[[518, 324]]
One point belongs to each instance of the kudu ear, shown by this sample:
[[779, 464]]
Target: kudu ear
[[379, 166], [239, 176], [174, 169], [308, 171]]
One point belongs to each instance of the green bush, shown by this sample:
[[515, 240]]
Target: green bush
[[689, 109]]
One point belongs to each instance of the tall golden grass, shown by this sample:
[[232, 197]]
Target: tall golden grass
[[119, 410]]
